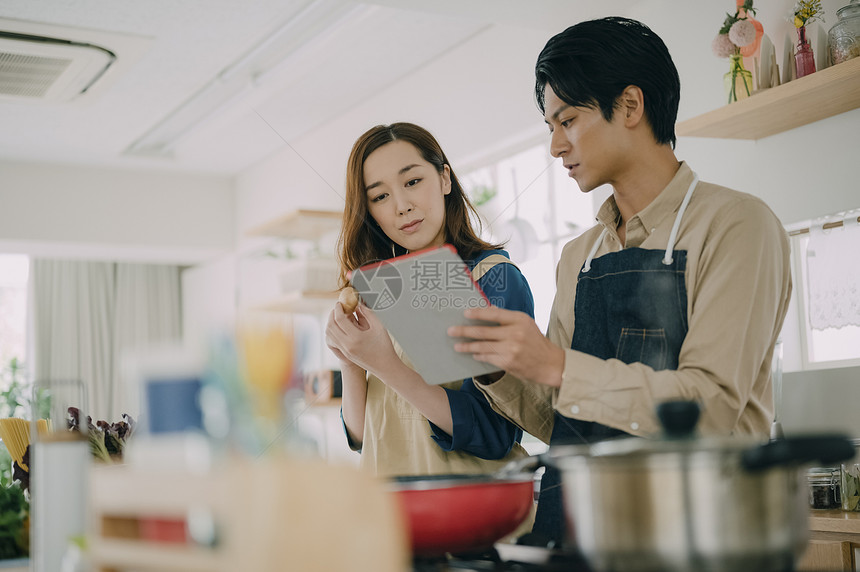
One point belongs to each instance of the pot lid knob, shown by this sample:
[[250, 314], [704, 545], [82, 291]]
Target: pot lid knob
[[678, 418]]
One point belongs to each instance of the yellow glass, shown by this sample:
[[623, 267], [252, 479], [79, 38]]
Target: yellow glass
[[266, 345], [738, 81]]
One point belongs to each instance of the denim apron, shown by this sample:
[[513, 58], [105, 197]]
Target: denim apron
[[630, 305]]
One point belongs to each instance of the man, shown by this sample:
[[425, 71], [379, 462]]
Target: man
[[678, 292]]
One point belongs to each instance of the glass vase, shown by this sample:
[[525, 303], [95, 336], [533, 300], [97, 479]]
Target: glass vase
[[738, 81], [804, 59], [753, 49]]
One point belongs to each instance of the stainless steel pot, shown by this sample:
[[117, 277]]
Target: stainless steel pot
[[685, 503]]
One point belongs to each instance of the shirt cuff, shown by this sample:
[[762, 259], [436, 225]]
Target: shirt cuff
[[594, 389], [463, 418], [528, 404], [353, 446]]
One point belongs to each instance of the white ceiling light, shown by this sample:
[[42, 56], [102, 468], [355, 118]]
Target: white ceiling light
[[40, 69], [238, 81]]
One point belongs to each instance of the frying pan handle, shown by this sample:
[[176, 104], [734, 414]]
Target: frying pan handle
[[826, 449], [521, 466]]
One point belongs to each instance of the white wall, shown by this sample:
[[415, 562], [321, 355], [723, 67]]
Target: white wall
[[90, 213], [802, 174], [208, 300], [473, 98]]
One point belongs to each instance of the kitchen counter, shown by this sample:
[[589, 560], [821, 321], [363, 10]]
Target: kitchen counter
[[834, 522], [834, 541]]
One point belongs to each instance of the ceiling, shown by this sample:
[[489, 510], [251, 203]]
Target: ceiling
[[241, 66]]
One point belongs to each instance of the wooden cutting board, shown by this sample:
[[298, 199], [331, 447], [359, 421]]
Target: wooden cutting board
[[311, 516], [272, 514]]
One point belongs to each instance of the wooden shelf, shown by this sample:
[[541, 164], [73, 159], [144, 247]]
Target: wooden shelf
[[305, 302], [300, 224], [805, 100]]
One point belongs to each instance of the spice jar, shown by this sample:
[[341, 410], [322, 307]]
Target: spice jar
[[843, 39], [849, 482], [824, 488]]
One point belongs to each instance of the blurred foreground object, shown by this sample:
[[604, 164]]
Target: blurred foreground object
[[268, 514]]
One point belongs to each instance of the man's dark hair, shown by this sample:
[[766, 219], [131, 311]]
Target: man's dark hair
[[591, 63]]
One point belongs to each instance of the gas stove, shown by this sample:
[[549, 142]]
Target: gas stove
[[513, 558], [506, 558]]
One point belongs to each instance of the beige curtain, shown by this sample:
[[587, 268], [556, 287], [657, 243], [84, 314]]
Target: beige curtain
[[86, 314]]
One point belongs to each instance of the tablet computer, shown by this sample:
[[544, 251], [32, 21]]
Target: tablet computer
[[418, 296]]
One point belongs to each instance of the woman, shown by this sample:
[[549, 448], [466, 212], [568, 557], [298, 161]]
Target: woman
[[402, 196]]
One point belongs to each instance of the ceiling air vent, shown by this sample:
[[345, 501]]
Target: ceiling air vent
[[45, 70]]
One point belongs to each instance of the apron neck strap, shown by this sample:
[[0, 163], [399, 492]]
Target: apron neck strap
[[667, 258], [670, 247], [594, 248]]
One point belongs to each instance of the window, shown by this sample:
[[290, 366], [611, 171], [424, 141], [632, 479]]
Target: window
[[827, 293], [14, 271], [528, 200]]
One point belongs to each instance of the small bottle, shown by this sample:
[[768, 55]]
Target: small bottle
[[804, 59], [824, 488]]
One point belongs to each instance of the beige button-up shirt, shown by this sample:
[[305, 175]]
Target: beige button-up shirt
[[738, 283]]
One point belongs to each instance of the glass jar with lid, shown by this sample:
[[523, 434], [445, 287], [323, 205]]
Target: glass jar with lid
[[824, 488], [843, 39], [850, 481]]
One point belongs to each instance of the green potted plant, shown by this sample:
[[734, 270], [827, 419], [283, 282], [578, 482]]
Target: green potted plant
[[14, 504]]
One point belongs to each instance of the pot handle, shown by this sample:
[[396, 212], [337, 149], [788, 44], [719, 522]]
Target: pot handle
[[826, 449]]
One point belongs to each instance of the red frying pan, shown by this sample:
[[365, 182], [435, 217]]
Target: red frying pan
[[462, 513]]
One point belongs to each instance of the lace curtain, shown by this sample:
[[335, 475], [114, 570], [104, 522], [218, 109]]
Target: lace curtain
[[833, 268]]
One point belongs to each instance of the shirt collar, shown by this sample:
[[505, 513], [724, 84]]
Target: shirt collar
[[666, 203]]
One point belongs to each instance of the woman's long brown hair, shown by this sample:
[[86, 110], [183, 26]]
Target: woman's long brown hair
[[361, 240]]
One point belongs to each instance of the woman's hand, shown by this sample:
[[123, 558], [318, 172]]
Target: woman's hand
[[360, 339], [516, 345], [353, 378], [329, 341]]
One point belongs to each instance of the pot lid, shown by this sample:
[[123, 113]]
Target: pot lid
[[679, 419], [636, 446]]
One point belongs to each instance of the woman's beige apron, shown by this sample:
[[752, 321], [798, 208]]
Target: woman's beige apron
[[397, 438]]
